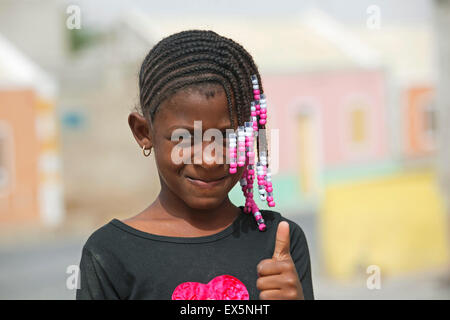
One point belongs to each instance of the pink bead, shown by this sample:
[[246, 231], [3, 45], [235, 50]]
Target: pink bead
[[271, 204], [263, 116], [263, 110], [256, 91], [257, 112], [258, 107], [241, 158], [257, 97], [233, 170], [269, 198], [258, 216], [262, 121], [241, 148], [262, 227], [233, 165], [253, 113], [261, 182], [250, 154], [251, 171], [269, 189], [241, 163], [269, 184]]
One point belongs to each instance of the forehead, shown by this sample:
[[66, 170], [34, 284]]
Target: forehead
[[207, 103]]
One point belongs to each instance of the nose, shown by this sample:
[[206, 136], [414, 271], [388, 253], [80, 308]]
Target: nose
[[211, 154]]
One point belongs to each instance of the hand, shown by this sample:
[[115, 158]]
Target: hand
[[277, 277]]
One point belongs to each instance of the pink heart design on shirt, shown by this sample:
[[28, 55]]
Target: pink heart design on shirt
[[223, 287]]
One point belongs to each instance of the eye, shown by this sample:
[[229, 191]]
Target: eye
[[182, 139]]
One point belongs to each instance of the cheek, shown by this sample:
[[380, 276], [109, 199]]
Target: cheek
[[163, 157]]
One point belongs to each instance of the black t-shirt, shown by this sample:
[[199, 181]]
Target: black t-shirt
[[120, 262]]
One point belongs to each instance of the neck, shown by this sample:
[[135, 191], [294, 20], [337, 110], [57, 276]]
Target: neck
[[172, 207]]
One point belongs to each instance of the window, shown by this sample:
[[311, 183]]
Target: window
[[358, 125], [357, 138]]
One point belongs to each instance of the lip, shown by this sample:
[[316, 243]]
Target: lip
[[205, 184]]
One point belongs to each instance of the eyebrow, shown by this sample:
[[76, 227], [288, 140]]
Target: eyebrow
[[191, 128]]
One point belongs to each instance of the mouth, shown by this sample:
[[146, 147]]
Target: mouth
[[206, 183]]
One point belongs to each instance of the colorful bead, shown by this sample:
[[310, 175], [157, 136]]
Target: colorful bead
[[232, 152]]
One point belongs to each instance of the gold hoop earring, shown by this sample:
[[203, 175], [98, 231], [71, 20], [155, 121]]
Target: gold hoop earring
[[149, 151]]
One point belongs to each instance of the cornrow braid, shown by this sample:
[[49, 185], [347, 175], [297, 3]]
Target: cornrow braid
[[172, 56]]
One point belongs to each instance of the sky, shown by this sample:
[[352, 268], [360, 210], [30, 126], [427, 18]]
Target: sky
[[104, 12]]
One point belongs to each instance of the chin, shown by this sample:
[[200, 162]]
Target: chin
[[204, 203]]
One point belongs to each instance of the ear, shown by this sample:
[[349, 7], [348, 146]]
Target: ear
[[141, 130]]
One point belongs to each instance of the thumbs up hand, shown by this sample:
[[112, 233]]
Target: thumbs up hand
[[277, 277]]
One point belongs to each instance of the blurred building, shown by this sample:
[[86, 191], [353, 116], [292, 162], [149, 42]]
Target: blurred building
[[354, 109], [356, 121], [30, 167]]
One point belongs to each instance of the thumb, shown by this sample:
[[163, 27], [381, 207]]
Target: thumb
[[282, 242]]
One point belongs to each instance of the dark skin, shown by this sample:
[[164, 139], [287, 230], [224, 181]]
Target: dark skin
[[185, 209]]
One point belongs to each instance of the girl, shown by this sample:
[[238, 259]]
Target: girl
[[192, 242]]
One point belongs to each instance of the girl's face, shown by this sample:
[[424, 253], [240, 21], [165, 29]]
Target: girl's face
[[203, 185]]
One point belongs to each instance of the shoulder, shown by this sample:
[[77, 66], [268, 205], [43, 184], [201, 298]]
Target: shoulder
[[106, 239]]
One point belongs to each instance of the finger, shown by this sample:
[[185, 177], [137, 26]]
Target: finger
[[270, 295], [282, 242], [272, 282], [270, 267]]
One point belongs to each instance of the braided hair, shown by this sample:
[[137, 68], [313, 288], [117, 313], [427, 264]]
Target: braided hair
[[197, 57]]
